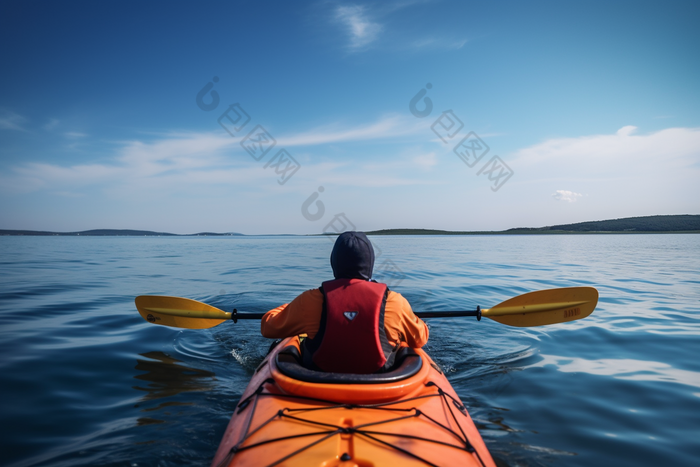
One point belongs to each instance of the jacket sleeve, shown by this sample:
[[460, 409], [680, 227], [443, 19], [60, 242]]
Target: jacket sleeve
[[401, 324], [301, 316]]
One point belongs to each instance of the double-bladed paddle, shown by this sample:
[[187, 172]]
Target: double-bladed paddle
[[539, 308]]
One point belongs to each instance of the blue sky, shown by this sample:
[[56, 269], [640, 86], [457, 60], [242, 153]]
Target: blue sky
[[592, 109]]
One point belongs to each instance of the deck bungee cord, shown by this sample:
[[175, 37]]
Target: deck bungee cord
[[340, 430]]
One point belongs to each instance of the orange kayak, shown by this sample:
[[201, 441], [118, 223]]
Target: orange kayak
[[292, 416]]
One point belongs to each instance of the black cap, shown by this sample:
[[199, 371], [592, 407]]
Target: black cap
[[352, 256]]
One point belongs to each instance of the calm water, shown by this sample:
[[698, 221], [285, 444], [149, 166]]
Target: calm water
[[85, 381]]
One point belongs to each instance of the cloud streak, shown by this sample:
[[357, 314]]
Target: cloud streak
[[361, 30], [387, 127], [186, 160], [566, 195], [365, 25], [438, 43], [11, 121], [134, 161], [675, 146]]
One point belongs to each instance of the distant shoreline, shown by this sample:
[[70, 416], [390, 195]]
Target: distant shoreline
[[369, 234], [545, 232], [675, 224], [110, 233]]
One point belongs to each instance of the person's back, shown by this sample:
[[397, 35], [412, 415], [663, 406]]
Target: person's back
[[353, 324]]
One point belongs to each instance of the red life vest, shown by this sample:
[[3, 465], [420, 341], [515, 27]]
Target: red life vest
[[351, 336]]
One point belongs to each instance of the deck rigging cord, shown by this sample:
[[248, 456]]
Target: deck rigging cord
[[360, 430]]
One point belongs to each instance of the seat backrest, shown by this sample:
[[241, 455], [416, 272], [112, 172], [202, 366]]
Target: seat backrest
[[407, 364]]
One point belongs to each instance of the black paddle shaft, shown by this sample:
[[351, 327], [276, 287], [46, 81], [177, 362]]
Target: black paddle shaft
[[235, 315], [450, 314]]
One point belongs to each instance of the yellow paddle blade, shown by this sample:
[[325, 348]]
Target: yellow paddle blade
[[545, 307], [179, 312]]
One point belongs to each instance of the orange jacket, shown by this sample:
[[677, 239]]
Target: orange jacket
[[303, 316]]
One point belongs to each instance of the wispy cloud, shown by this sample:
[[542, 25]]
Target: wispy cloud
[[426, 161], [363, 176], [68, 194], [171, 159], [622, 172], [11, 121], [361, 29], [387, 127], [74, 135], [566, 195], [180, 160], [364, 25], [623, 152], [438, 43], [53, 123]]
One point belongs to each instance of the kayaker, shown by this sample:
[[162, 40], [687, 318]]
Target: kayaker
[[353, 324]]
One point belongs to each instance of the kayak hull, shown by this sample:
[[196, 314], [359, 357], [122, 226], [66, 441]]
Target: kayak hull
[[414, 421]]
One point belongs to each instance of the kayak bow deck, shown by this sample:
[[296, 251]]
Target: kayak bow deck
[[292, 416]]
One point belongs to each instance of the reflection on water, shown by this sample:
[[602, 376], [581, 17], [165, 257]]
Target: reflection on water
[[167, 377], [493, 423], [634, 370]]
